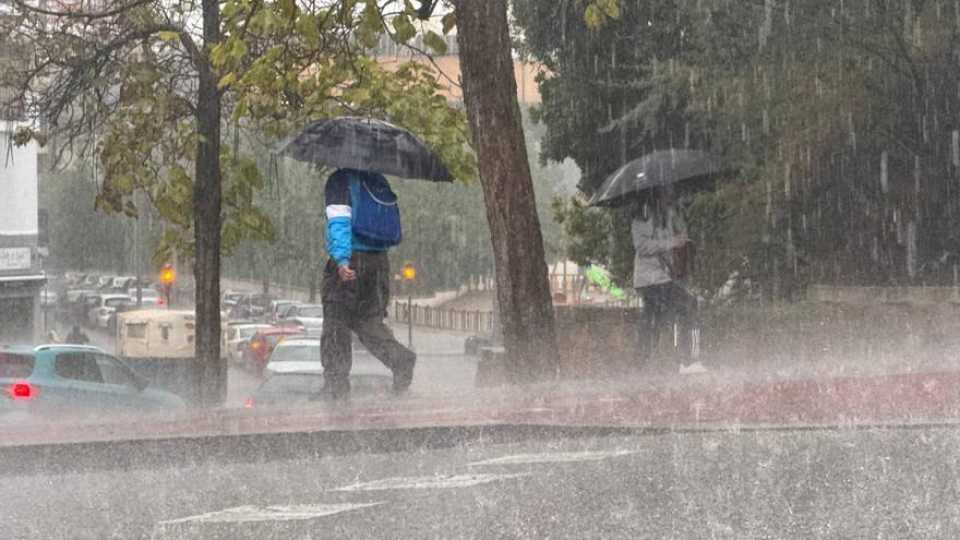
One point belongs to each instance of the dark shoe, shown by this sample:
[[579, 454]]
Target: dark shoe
[[333, 390], [402, 378]]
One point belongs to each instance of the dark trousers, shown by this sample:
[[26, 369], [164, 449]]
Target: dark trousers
[[664, 306], [359, 306]]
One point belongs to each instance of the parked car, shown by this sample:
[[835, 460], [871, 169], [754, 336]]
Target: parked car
[[74, 295], [309, 316], [279, 308], [123, 283], [234, 296], [246, 305], [105, 283], [80, 309], [74, 278], [106, 305], [238, 338], [148, 295], [259, 304], [57, 378], [263, 343]]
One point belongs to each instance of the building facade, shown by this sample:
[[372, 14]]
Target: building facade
[[21, 276]]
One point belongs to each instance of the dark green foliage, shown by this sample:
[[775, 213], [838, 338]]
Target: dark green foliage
[[840, 119]]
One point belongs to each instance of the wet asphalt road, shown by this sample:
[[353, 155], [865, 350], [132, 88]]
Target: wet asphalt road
[[441, 366], [872, 483]]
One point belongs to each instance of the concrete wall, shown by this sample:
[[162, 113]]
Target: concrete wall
[[868, 296]]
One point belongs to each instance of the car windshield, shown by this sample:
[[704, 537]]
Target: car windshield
[[248, 332], [296, 353], [571, 268], [310, 311]]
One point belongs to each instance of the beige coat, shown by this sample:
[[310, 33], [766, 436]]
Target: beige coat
[[654, 239]]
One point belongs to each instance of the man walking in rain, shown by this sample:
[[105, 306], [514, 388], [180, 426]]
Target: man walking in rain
[[363, 222], [660, 267]]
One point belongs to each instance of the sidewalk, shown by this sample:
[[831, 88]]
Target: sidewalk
[[703, 402], [841, 394]]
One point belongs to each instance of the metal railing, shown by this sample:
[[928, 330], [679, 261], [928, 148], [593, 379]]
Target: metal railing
[[444, 319]]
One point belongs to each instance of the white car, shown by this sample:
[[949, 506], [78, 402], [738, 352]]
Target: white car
[[104, 307], [309, 316], [238, 337], [295, 353], [123, 282], [148, 297], [280, 308]]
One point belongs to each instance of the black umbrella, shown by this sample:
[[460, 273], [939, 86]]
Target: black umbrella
[[367, 144], [659, 168]]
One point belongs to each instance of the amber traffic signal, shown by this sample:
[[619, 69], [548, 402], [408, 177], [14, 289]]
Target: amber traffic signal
[[168, 275], [409, 272]]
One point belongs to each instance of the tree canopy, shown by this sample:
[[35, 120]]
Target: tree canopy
[[841, 120]]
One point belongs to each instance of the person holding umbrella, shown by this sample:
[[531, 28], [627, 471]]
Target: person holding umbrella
[[662, 249], [660, 268], [363, 223]]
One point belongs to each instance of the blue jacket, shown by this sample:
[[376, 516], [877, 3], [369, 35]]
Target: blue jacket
[[341, 242]]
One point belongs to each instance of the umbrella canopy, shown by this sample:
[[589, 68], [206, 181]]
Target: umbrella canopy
[[659, 168], [367, 144]]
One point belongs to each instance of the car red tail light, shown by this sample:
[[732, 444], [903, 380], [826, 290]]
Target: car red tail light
[[22, 391]]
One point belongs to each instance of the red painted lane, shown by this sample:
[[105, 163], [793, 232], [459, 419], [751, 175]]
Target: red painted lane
[[906, 398]]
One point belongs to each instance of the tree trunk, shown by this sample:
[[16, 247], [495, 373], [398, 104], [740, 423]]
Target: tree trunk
[[490, 96], [206, 210]]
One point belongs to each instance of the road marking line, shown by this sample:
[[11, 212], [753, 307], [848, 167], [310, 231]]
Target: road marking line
[[249, 513], [431, 482], [552, 457]]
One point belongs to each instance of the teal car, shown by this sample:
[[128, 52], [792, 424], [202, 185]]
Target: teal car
[[74, 378]]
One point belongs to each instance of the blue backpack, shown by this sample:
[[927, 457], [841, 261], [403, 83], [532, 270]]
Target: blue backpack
[[376, 214]]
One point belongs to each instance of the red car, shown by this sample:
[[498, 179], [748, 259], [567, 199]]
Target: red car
[[262, 343]]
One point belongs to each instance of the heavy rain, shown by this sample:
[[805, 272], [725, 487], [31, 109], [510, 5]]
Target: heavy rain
[[479, 268]]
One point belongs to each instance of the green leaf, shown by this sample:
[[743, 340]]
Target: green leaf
[[168, 35], [436, 42], [404, 28], [307, 26], [449, 21], [227, 80]]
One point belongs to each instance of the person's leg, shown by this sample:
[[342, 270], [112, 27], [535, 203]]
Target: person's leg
[[682, 314], [336, 352], [374, 293], [651, 320], [378, 338]]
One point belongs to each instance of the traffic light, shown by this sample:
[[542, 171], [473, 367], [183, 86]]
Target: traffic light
[[409, 272], [168, 275]]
